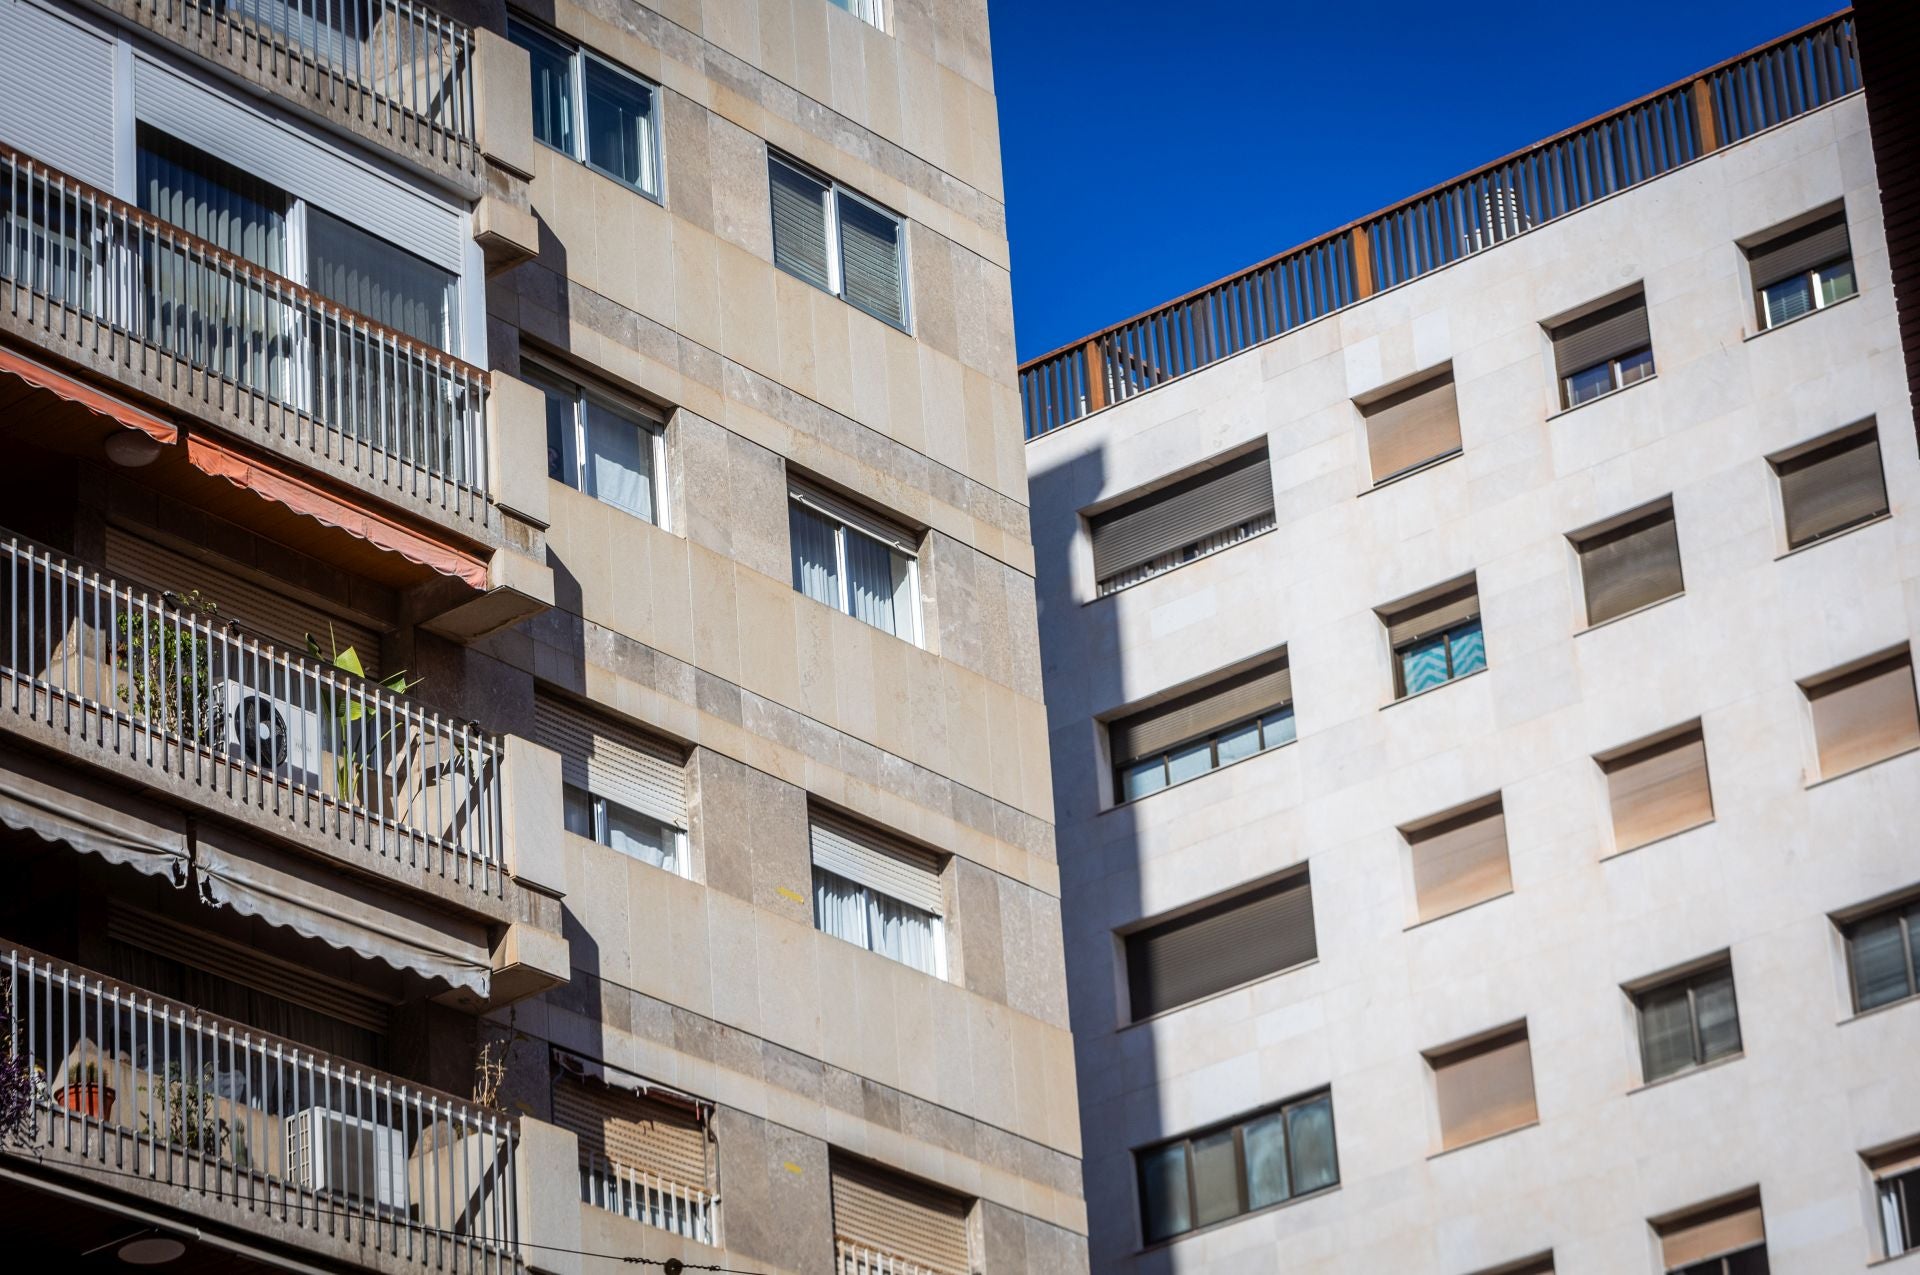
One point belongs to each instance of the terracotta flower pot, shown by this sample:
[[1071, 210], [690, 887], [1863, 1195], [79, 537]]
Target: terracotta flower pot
[[89, 1099]]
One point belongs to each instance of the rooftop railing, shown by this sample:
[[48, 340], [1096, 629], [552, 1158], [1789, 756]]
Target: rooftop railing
[[400, 70], [116, 284], [133, 1085], [166, 684], [1798, 73]]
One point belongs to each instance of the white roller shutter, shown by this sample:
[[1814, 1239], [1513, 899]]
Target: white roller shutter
[[56, 91], [613, 761], [869, 858]]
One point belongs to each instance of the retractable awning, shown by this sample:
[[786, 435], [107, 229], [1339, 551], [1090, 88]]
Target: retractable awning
[[58, 802], [99, 402]]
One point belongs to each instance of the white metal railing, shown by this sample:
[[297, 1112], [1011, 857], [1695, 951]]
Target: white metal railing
[[169, 684], [97, 273], [1180, 557], [133, 1085], [688, 1212], [857, 1259], [403, 70]]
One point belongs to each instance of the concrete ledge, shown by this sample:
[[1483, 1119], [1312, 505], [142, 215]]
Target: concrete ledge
[[547, 1173], [518, 588]]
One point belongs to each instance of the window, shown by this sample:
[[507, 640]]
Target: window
[[591, 110], [1279, 1154], [1629, 563], [612, 451], [854, 563], [1540, 1264], [1459, 859], [1729, 1238], [1484, 1087], [643, 1147], [618, 787], [1831, 484], [1223, 504], [1435, 638], [1687, 1022], [884, 1222], [1881, 952], [1896, 1188], [1202, 730], [1410, 427], [1220, 946], [1802, 270], [868, 11], [1864, 715], [878, 893], [1658, 787], [1604, 351], [839, 242]]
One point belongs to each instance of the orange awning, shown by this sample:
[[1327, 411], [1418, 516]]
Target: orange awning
[[295, 493], [43, 377]]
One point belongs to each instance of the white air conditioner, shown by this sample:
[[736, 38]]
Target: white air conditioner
[[276, 735], [348, 1157]]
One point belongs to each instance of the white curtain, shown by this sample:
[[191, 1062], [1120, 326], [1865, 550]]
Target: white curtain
[[903, 933], [816, 570], [839, 907], [619, 461], [876, 576], [643, 838]]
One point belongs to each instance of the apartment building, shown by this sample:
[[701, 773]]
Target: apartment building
[[521, 742], [1479, 662]]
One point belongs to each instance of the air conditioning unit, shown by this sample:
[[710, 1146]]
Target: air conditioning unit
[[348, 1157], [276, 735]]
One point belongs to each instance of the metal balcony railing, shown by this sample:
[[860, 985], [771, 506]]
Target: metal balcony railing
[[688, 1212], [162, 306], [131, 1084], [857, 1259], [1798, 73], [253, 729], [400, 70]]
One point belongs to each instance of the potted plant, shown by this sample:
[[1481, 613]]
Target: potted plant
[[190, 1119], [92, 1097], [169, 679]]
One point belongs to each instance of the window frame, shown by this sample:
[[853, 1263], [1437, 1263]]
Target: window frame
[[1782, 463], [1812, 277], [1615, 377], [1905, 1185], [938, 940], [547, 378], [1689, 983], [578, 55], [846, 518], [601, 832], [871, 12], [836, 265], [1447, 635], [1907, 912], [1237, 1125], [1121, 769]]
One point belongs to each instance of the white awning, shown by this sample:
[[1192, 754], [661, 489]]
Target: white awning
[[340, 911], [58, 802]]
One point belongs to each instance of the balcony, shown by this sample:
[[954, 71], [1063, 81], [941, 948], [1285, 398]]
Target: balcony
[[857, 1259], [641, 1196], [249, 1135]]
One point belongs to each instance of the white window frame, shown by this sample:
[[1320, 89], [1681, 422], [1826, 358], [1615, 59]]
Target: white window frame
[[846, 518], [602, 834], [1812, 277], [836, 282], [580, 55], [871, 12], [544, 376], [938, 930]]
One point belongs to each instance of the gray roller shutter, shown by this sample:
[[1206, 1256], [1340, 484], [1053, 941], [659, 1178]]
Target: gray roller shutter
[[1221, 946], [1432, 615], [799, 224], [1630, 566], [1412, 426], [1252, 693], [1832, 487], [871, 249], [276, 153], [1607, 333], [56, 92], [633, 1132], [866, 857], [1227, 495], [1460, 861], [613, 761], [1799, 251], [893, 1216]]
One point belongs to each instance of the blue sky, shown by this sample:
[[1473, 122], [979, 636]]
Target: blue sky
[[1151, 148]]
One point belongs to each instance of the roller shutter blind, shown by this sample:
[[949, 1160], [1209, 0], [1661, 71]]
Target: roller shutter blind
[[1863, 716], [1659, 789], [1799, 251], [634, 1132], [1831, 487], [1725, 1228], [1413, 426], [1460, 861], [866, 857], [1607, 333], [799, 224], [1416, 620], [1485, 1088], [261, 612], [1200, 712], [871, 250], [1630, 566], [1221, 946], [613, 761], [56, 92], [878, 1210], [1189, 511]]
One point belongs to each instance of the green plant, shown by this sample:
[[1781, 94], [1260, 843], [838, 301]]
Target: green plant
[[187, 1113], [169, 679], [349, 715]]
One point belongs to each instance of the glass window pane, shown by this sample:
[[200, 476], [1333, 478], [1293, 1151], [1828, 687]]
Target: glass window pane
[[875, 574], [387, 284], [839, 907], [903, 932], [1749, 1261], [619, 460], [1143, 777], [1216, 1178], [212, 199], [1277, 728], [1899, 1198], [620, 126], [1266, 1147], [1163, 1186], [645, 839], [1239, 741], [816, 561], [1314, 1161], [1719, 1019], [870, 274], [562, 464], [552, 66], [1836, 282], [1636, 367], [1423, 665], [1788, 299], [1666, 1033], [1469, 648], [1879, 958], [1189, 760], [1589, 384], [578, 811], [799, 224]]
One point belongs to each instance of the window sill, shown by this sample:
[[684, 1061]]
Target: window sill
[[1832, 536], [1452, 681], [1628, 615], [1477, 903], [1209, 1228], [1662, 838], [1889, 1260], [1601, 398], [571, 158], [1134, 801], [1787, 323], [857, 620], [1214, 996], [1824, 780], [1682, 1075], [1880, 1009], [1413, 471], [841, 298], [1205, 557], [1481, 1142]]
